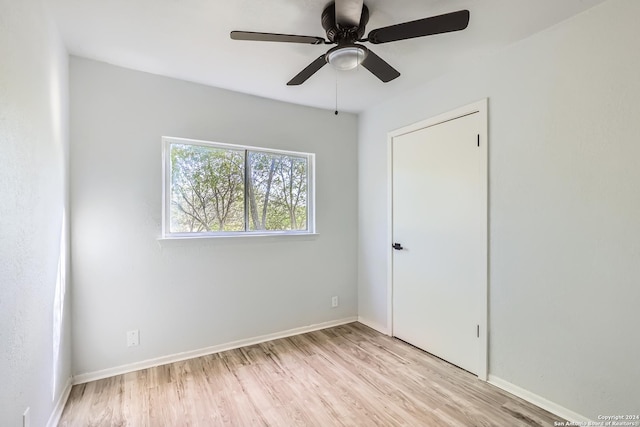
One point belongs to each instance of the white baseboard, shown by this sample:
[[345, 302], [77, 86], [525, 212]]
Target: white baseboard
[[54, 419], [150, 363], [373, 325], [540, 401]]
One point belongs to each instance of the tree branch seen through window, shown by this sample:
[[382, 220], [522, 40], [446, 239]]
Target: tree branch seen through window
[[218, 189]]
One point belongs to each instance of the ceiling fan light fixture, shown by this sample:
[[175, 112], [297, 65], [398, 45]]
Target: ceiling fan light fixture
[[345, 58]]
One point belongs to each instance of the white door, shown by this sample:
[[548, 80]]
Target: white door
[[439, 181]]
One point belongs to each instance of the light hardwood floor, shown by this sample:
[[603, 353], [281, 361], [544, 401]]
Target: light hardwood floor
[[348, 375]]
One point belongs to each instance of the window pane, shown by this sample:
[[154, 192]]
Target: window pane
[[207, 189], [277, 192]]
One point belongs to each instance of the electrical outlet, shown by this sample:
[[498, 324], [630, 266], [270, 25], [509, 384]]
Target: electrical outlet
[[133, 338], [26, 418], [334, 302]]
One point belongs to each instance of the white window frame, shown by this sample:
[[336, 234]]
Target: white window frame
[[166, 191]]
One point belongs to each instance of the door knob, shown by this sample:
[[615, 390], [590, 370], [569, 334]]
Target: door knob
[[397, 246]]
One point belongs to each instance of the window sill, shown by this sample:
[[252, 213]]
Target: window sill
[[276, 236]]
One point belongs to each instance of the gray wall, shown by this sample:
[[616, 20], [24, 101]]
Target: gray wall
[[190, 294], [34, 320], [564, 206]]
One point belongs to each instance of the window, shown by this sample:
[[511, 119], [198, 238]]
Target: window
[[213, 189]]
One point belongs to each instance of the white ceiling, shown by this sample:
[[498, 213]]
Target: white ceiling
[[189, 40]]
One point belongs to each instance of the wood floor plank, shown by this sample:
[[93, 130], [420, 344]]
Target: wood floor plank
[[349, 375]]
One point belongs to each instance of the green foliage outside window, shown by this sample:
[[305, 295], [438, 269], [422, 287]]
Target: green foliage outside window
[[217, 189]]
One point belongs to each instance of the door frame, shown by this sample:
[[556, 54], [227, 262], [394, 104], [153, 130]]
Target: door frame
[[480, 107]]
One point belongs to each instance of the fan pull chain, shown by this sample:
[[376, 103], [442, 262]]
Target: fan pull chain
[[336, 112]]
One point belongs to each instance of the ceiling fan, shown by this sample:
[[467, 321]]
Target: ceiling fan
[[344, 22]]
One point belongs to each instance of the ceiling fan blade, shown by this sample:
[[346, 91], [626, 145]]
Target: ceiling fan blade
[[271, 37], [454, 21], [308, 72], [379, 67], [348, 12]]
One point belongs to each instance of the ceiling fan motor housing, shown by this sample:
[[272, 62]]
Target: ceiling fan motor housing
[[343, 35]]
